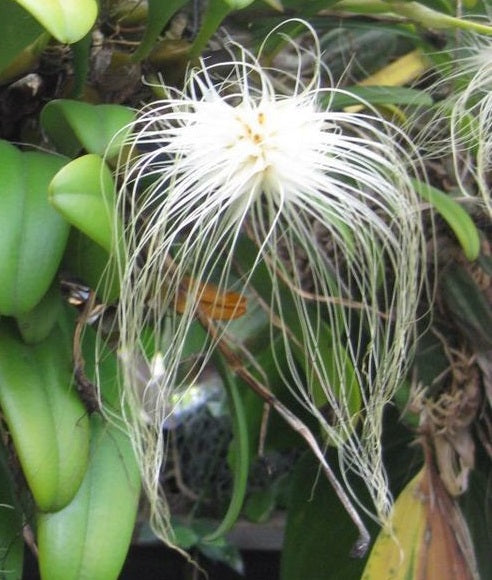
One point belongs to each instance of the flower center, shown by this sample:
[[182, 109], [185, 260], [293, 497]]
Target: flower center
[[254, 132]]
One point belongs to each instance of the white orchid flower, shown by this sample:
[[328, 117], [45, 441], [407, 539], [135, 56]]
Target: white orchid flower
[[232, 158], [462, 124]]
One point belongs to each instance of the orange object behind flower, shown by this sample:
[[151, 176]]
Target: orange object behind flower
[[212, 303]]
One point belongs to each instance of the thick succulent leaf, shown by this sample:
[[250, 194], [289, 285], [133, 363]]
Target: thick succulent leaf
[[18, 29], [75, 125], [90, 537], [32, 234], [67, 20], [82, 192], [36, 325], [46, 419]]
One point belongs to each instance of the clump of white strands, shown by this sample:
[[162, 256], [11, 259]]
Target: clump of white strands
[[231, 162]]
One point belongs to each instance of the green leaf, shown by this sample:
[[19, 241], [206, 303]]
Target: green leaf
[[46, 419], [319, 534], [89, 262], [11, 523], [18, 29], [238, 4], [32, 233], [433, 19], [159, 15], [67, 20], [225, 553], [260, 504], [185, 536], [83, 193], [75, 125], [468, 306], [380, 96], [81, 51], [90, 537], [241, 451], [455, 216], [477, 509], [128, 12], [219, 550], [38, 323], [215, 13]]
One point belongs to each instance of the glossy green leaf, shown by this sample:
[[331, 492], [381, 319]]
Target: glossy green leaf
[[159, 14], [90, 537], [83, 193], [36, 325], [238, 4], [46, 419], [18, 29], [11, 523], [75, 125], [32, 233], [67, 20], [455, 216]]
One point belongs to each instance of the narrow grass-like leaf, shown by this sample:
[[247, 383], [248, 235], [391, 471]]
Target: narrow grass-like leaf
[[381, 95], [240, 451], [159, 14], [455, 216]]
